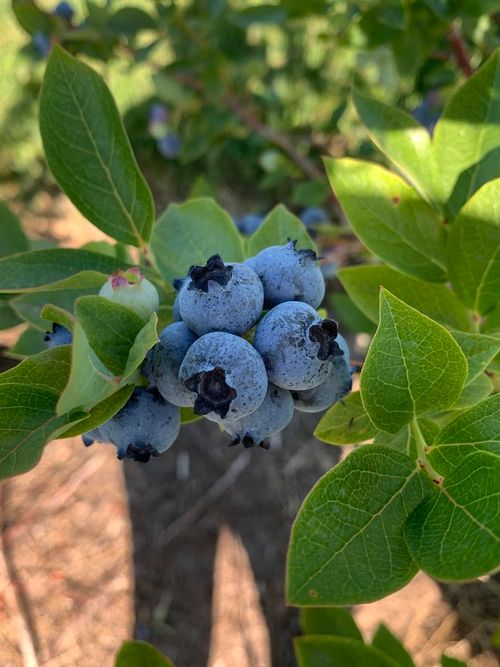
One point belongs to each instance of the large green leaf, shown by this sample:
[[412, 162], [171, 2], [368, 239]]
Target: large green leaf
[[89, 152], [477, 390], [12, 237], [335, 621], [479, 350], [54, 269], [322, 651], [346, 422], [279, 227], [478, 429], [347, 543], [390, 645], [474, 250], [8, 315], [190, 233], [404, 141], [140, 654], [413, 366], [28, 398], [404, 440], [467, 137], [390, 218], [30, 342], [363, 285], [454, 534], [111, 330]]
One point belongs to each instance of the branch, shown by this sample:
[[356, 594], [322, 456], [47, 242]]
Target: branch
[[460, 50]]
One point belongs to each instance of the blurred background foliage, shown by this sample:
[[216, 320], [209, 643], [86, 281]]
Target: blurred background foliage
[[240, 95]]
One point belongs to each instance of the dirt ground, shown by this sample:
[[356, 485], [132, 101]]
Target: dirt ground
[[187, 552]]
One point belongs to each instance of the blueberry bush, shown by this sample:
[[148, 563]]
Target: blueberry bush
[[183, 318], [257, 93]]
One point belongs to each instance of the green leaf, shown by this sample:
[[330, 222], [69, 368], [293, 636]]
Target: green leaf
[[129, 21], [277, 229], [413, 366], [390, 645], [12, 237], [474, 250], [56, 314], [491, 324], [467, 137], [476, 430], [266, 14], [349, 315], [30, 342], [29, 306], [363, 283], [188, 416], [390, 218], [8, 315], [335, 621], [346, 423], [31, 18], [100, 413], [398, 135], [322, 651], [54, 269], [347, 544], [479, 350], [477, 390], [140, 654], [190, 233], [404, 440], [110, 328], [28, 397], [89, 152], [454, 533]]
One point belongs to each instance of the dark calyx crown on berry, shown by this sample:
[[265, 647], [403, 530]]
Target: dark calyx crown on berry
[[214, 394], [138, 452], [214, 269], [247, 441], [303, 253], [325, 334]]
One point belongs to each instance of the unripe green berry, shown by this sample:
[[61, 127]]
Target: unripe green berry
[[131, 289]]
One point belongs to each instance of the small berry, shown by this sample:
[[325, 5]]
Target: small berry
[[169, 146], [226, 375], [158, 121], [271, 417], [314, 216], [288, 274], [297, 345], [64, 10], [221, 297], [249, 223], [129, 288], [58, 336], [164, 360], [145, 427], [42, 43]]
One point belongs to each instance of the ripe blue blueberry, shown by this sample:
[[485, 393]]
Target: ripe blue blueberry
[[158, 121], [338, 383], [91, 436], [130, 288], [226, 375], [271, 417], [249, 223], [313, 216], [164, 360], [146, 426], [221, 297], [58, 336], [169, 146], [42, 43], [297, 346], [179, 285], [64, 10], [288, 274]]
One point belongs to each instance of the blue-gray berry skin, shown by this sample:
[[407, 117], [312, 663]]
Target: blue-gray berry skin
[[145, 427], [58, 336], [337, 384], [221, 297], [180, 284], [91, 436], [271, 417], [164, 360], [297, 346], [288, 274], [226, 376]]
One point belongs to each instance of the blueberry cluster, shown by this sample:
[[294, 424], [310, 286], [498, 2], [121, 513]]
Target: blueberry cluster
[[227, 358], [167, 140]]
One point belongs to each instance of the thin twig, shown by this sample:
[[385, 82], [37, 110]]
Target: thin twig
[[460, 50], [17, 605]]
